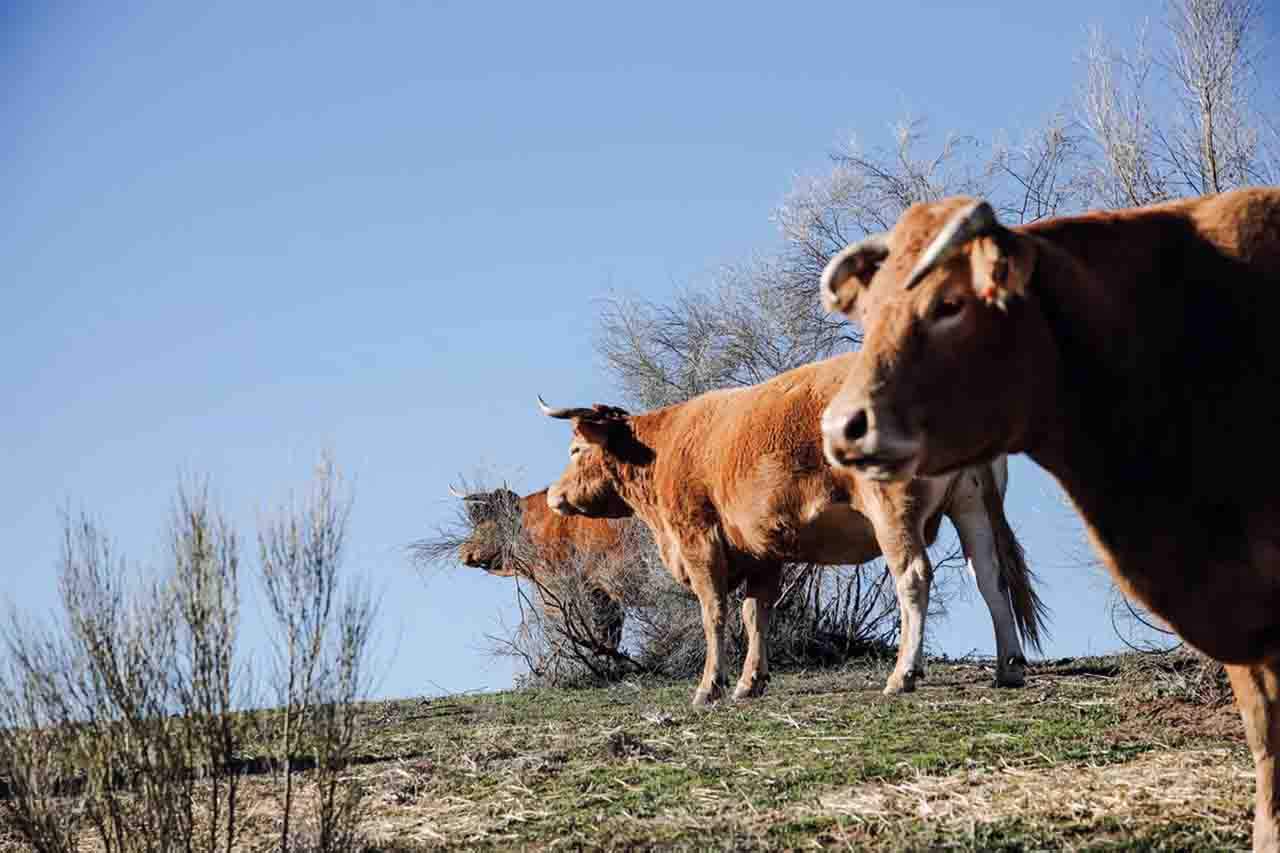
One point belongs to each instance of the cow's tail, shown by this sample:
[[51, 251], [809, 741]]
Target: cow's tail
[[1029, 612]]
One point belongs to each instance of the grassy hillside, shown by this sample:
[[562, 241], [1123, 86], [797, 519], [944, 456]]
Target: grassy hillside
[[1092, 754]]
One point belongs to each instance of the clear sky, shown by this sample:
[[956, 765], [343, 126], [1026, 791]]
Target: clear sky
[[234, 235]]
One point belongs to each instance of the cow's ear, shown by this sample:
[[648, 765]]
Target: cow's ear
[[1002, 262], [595, 432], [848, 272]]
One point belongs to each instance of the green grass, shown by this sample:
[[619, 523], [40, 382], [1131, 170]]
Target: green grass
[[633, 765], [1100, 754]]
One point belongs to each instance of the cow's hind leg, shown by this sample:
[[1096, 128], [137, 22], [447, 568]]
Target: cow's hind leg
[[1257, 690], [978, 541], [759, 596]]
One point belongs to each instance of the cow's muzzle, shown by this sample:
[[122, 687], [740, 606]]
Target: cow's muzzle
[[559, 503], [871, 441]]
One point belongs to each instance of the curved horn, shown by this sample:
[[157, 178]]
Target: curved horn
[[970, 223], [851, 260], [563, 414]]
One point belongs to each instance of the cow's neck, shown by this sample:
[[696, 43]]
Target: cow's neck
[[1131, 368], [634, 470]]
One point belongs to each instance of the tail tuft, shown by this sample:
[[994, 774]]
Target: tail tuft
[[1029, 612]]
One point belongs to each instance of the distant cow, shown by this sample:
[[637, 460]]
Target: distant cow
[[513, 536], [1134, 355], [733, 484]]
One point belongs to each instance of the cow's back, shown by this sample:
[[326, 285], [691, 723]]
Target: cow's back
[[750, 460]]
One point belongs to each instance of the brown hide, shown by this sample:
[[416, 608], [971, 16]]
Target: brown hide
[[557, 542], [1136, 368], [743, 466], [1134, 358], [733, 484], [559, 538]]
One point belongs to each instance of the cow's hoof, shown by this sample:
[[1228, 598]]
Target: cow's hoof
[[1013, 673], [900, 684], [704, 696], [750, 690]]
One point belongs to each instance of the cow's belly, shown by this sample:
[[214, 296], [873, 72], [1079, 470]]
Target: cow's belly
[[1223, 600], [837, 536]]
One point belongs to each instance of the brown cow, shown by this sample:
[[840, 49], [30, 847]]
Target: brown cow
[[1132, 355], [733, 484], [513, 536]]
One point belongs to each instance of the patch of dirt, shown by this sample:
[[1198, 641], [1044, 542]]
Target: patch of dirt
[[1175, 722], [622, 745]]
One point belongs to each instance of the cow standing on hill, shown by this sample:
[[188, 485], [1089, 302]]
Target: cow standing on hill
[[513, 536], [733, 485], [1130, 353]]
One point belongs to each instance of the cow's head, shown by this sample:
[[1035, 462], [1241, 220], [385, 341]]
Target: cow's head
[[602, 443], [946, 372], [494, 520]]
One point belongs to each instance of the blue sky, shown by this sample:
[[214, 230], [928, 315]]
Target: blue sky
[[234, 235]]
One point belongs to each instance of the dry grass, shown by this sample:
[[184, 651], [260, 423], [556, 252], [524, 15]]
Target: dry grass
[[1206, 788], [1094, 754]]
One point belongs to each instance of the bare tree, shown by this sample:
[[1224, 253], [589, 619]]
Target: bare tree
[[1178, 119], [1116, 108], [867, 190], [1042, 175], [1213, 143]]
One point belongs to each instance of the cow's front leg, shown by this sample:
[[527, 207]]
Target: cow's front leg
[[912, 576], [708, 576], [1257, 690], [760, 595]]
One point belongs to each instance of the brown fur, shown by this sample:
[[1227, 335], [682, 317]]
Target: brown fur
[[1136, 362], [554, 543], [733, 483]]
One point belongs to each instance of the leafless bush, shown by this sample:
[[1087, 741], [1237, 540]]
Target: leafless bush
[[125, 716], [824, 616], [321, 642], [122, 713]]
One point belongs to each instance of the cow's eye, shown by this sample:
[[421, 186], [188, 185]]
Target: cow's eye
[[947, 307], [573, 451]]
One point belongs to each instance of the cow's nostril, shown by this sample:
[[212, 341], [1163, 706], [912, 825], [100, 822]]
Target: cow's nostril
[[856, 427]]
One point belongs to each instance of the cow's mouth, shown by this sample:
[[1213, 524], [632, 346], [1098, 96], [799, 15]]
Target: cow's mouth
[[879, 466], [562, 506]]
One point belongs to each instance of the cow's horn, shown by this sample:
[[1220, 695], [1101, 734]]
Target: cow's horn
[[563, 414], [465, 497], [970, 223], [834, 274]]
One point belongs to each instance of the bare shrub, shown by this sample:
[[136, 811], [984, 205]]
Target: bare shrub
[[121, 713], [321, 642], [125, 716], [824, 616]]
